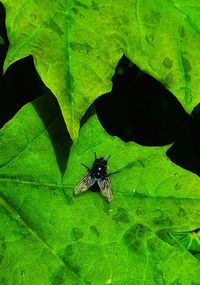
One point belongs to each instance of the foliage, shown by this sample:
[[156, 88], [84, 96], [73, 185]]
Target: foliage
[[150, 233], [50, 237], [76, 46]]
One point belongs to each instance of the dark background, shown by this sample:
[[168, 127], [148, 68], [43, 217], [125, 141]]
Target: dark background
[[137, 109]]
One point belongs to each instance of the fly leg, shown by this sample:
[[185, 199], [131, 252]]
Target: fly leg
[[85, 166], [112, 173]]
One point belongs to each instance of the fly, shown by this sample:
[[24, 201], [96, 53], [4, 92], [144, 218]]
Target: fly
[[97, 174]]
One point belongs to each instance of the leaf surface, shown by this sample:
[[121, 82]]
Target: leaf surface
[[76, 46], [48, 236]]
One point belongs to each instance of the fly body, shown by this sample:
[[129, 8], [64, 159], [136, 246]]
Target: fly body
[[97, 174], [99, 168]]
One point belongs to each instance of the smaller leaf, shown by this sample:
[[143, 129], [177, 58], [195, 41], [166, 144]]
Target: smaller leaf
[[190, 240]]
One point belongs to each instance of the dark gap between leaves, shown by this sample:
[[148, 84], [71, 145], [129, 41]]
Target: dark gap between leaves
[[140, 109], [20, 84], [3, 32]]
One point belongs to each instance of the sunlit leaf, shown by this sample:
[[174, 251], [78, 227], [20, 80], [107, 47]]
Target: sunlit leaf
[[76, 46], [48, 236]]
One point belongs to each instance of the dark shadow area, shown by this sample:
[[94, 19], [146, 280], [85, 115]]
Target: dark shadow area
[[20, 84], [3, 50], [50, 113], [140, 109], [186, 149], [3, 32], [89, 113]]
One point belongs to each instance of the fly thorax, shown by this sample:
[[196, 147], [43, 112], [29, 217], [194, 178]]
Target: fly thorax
[[99, 170]]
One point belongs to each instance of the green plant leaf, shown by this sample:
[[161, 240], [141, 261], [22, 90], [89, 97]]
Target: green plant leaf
[[48, 236], [76, 46], [189, 239]]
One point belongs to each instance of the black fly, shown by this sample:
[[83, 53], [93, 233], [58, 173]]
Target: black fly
[[97, 174]]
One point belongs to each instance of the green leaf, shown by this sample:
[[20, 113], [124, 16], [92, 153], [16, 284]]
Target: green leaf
[[76, 46], [48, 236], [190, 240]]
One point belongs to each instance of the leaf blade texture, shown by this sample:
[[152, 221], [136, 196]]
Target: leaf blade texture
[[51, 237], [76, 46]]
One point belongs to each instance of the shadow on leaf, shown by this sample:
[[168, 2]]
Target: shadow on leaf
[[50, 113]]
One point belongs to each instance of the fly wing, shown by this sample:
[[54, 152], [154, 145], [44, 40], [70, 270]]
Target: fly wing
[[86, 182], [105, 187]]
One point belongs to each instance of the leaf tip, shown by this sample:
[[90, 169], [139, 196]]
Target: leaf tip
[[73, 132]]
